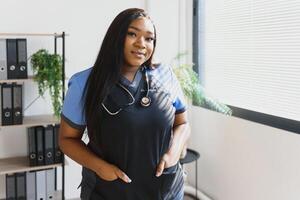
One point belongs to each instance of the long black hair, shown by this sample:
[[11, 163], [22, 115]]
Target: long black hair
[[107, 68]]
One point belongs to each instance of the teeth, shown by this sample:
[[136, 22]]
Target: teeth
[[140, 53]]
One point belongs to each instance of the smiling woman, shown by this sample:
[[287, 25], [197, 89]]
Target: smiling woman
[[138, 46], [135, 114]]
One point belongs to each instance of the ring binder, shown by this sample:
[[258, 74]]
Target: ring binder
[[3, 61], [17, 104], [6, 104]]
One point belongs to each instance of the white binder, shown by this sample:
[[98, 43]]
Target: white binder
[[30, 186], [41, 185], [50, 183], [3, 61]]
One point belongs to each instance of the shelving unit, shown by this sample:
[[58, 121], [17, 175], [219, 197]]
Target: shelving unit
[[16, 80], [21, 163], [57, 195], [35, 120]]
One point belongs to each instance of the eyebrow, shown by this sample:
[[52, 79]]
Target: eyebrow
[[133, 27]]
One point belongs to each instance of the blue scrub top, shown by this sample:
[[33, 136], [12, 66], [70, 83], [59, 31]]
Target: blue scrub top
[[135, 139], [162, 75]]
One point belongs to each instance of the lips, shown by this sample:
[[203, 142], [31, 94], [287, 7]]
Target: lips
[[138, 54]]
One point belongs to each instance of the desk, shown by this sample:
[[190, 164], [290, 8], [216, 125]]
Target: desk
[[191, 156]]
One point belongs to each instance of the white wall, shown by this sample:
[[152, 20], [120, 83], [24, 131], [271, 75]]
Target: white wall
[[86, 23], [173, 35], [242, 160]]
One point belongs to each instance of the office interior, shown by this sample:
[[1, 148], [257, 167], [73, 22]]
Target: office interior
[[240, 158]]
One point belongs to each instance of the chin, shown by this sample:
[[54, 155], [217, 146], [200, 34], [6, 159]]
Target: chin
[[136, 64]]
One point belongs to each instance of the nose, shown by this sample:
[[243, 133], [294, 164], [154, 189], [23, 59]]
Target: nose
[[140, 43]]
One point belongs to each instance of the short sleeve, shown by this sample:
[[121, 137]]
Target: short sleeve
[[177, 94], [72, 111]]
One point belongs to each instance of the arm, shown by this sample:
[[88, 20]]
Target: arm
[[71, 144], [181, 133]]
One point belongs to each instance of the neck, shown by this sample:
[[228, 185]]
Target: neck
[[129, 71]]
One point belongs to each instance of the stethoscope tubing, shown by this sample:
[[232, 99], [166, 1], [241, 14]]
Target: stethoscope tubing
[[145, 101]]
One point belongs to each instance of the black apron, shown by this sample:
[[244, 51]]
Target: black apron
[[135, 140]]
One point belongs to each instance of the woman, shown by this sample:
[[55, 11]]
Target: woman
[[134, 114]]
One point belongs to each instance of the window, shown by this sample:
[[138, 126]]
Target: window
[[248, 56]]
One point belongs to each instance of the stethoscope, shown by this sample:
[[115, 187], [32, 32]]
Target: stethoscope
[[145, 101]]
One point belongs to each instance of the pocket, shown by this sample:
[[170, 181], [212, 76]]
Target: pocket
[[110, 189], [172, 181], [87, 184], [168, 179], [167, 182], [171, 170], [86, 191]]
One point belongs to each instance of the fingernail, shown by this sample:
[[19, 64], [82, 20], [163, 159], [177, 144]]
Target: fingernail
[[128, 180]]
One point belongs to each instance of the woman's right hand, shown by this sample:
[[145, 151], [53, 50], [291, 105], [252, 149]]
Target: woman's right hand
[[110, 172]]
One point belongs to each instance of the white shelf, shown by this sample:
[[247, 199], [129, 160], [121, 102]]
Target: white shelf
[[56, 196], [35, 120], [21, 164], [30, 78], [32, 34]]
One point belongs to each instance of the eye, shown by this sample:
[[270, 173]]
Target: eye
[[132, 34], [149, 39]]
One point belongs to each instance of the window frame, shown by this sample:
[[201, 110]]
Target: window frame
[[254, 116]]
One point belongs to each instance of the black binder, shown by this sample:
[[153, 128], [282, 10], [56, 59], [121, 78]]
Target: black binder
[[17, 104], [21, 185], [21, 69], [39, 131], [3, 62], [6, 104], [49, 146], [10, 187], [58, 158], [32, 154], [11, 49]]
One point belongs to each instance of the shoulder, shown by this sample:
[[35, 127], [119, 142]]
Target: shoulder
[[161, 71], [80, 78], [159, 68]]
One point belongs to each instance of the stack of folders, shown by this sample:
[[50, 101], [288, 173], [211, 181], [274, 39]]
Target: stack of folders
[[13, 59], [31, 185], [43, 146], [11, 104]]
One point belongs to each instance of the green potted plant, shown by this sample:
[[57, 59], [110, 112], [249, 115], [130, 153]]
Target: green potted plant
[[47, 69], [193, 90]]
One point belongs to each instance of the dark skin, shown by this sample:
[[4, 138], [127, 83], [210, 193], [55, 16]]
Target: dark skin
[[137, 50]]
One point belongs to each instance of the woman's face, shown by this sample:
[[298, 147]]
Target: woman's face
[[139, 42]]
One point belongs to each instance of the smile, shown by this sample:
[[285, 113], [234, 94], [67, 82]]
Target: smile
[[138, 54]]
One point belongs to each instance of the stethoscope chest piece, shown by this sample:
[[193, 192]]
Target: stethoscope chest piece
[[145, 101]]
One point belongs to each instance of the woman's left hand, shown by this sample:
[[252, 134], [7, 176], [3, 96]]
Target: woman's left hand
[[168, 160]]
